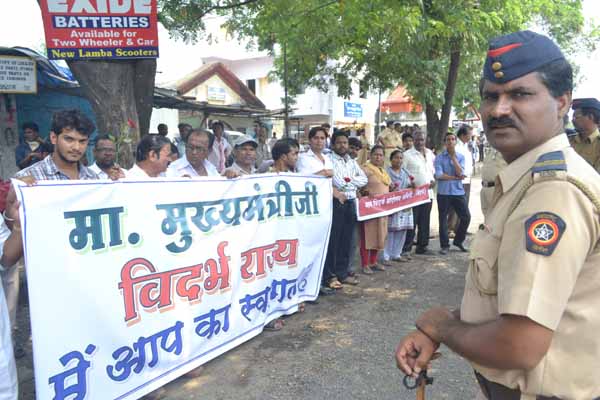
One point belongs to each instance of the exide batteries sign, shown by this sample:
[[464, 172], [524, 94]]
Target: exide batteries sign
[[100, 29]]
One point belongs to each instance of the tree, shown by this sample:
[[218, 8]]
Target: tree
[[121, 91], [121, 95], [434, 47]]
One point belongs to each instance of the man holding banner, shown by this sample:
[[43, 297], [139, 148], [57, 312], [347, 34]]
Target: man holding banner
[[11, 250], [70, 134], [348, 177]]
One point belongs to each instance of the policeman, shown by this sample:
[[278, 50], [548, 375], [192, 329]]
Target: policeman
[[586, 117], [390, 139], [529, 319]]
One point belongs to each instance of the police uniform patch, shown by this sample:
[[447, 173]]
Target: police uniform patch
[[543, 232]]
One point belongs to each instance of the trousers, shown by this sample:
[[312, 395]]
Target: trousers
[[421, 216], [337, 261], [496, 391]]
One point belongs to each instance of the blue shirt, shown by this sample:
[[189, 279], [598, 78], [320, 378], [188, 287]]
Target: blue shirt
[[443, 165]]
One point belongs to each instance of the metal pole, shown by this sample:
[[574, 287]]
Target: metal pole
[[285, 85], [378, 130]]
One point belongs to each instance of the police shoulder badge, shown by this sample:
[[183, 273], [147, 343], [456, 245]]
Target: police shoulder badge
[[543, 231]]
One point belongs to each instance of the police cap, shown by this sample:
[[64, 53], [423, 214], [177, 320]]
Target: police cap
[[511, 56], [586, 103]]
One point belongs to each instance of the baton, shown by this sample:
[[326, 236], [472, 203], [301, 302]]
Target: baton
[[421, 381]]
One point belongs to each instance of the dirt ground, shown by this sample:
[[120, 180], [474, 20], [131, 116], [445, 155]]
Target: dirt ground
[[340, 348]]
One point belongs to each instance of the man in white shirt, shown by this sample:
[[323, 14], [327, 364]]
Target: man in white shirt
[[220, 148], [179, 141], [152, 157], [194, 163], [463, 134], [348, 178], [313, 161], [105, 155], [417, 164]]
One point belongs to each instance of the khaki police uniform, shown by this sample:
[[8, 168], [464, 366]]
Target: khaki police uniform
[[391, 140], [588, 148], [493, 163], [538, 256]]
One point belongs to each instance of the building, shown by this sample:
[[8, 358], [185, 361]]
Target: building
[[313, 107], [224, 95]]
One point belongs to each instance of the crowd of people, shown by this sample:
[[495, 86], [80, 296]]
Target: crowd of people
[[398, 160]]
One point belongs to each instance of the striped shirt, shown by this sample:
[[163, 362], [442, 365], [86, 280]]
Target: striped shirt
[[348, 177], [46, 170]]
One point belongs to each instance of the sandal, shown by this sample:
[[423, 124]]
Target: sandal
[[367, 270], [351, 280], [275, 325], [334, 283], [377, 267]]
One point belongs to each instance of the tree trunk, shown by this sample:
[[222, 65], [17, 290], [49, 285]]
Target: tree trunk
[[450, 88], [145, 74], [118, 91], [433, 124]]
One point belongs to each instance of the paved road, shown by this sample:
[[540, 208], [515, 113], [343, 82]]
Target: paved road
[[341, 348]]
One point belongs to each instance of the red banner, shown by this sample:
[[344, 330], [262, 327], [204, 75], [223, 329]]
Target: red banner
[[100, 29], [390, 203]]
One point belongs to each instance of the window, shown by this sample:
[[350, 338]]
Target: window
[[251, 83]]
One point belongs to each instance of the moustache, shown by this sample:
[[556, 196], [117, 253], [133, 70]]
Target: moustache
[[503, 122]]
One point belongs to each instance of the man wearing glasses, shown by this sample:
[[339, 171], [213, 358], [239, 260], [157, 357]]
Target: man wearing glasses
[[194, 162], [105, 155]]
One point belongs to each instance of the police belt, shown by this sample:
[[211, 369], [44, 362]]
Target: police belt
[[487, 184], [496, 391]]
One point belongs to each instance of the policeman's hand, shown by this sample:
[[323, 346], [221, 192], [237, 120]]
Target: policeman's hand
[[431, 320], [414, 352]]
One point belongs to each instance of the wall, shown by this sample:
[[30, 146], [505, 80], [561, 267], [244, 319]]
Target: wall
[[39, 109], [200, 92], [165, 116]]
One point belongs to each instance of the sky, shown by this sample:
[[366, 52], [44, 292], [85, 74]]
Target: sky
[[21, 25]]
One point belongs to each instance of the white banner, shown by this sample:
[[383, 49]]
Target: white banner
[[132, 284]]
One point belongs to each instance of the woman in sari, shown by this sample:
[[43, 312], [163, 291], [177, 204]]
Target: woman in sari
[[374, 231], [401, 222]]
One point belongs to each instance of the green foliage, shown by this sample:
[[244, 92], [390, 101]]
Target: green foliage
[[384, 42]]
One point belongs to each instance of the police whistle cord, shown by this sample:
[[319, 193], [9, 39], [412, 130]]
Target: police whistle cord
[[419, 383]]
